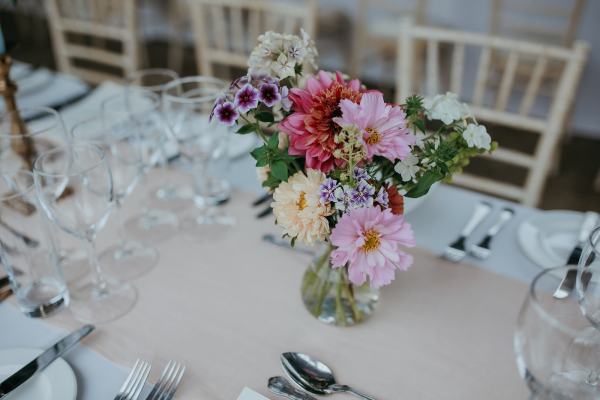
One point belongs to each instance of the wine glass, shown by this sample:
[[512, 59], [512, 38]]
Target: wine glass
[[588, 273], [558, 351], [123, 137], [202, 143], [45, 132], [84, 168], [155, 222]]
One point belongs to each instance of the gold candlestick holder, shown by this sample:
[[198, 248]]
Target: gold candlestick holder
[[21, 143]]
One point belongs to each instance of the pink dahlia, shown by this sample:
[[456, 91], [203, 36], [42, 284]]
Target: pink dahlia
[[383, 126], [311, 127], [368, 240]]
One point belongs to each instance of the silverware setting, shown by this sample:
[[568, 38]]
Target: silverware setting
[[457, 250], [282, 387], [43, 360], [482, 249], [314, 376], [271, 238], [267, 197], [133, 385], [566, 286], [169, 381]]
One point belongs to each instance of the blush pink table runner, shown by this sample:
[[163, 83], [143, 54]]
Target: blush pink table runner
[[227, 305]]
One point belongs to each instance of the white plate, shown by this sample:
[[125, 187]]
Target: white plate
[[240, 145], [56, 382], [548, 237]]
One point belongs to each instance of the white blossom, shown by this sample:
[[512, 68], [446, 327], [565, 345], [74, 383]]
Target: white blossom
[[279, 54], [408, 167], [477, 136], [446, 108]]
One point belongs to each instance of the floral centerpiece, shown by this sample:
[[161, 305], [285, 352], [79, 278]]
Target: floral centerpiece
[[340, 161]]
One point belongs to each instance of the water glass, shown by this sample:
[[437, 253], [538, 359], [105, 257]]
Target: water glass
[[588, 278], [557, 349], [202, 142], [26, 251]]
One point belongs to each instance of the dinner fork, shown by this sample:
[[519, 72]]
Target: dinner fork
[[167, 384], [133, 385], [456, 250]]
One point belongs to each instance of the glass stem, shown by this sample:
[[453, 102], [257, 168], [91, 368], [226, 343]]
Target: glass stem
[[97, 276], [201, 181], [120, 225]]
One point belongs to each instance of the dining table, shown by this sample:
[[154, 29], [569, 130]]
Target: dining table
[[227, 304]]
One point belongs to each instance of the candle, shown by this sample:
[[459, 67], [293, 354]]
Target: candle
[[2, 46]]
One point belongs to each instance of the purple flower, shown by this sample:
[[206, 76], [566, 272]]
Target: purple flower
[[383, 198], [286, 103], [269, 94], [327, 190], [360, 174], [362, 195], [246, 98], [226, 113]]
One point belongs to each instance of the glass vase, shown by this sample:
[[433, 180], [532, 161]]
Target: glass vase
[[329, 295]]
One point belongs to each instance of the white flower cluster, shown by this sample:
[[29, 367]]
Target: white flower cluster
[[278, 54], [448, 109]]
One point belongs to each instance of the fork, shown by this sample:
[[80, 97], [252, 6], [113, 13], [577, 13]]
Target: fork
[[456, 250], [133, 385], [167, 384]]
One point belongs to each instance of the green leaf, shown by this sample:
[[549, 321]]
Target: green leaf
[[245, 129], [273, 142], [424, 184], [279, 170], [264, 116], [261, 155]]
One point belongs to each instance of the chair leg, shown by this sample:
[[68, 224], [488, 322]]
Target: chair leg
[[597, 182]]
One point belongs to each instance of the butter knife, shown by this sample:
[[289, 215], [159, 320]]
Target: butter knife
[[43, 360], [282, 387], [566, 286]]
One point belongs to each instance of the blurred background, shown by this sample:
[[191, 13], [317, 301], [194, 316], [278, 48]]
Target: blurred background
[[532, 94]]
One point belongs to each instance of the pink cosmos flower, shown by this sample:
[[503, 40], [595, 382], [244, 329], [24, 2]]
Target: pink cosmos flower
[[369, 240], [383, 126], [311, 128]]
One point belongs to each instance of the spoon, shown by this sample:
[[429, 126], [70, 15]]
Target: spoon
[[314, 376], [282, 387]]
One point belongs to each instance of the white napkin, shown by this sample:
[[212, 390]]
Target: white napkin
[[249, 394]]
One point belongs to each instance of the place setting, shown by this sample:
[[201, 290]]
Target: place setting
[[206, 200]]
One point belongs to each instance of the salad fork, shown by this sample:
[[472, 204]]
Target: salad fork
[[167, 384], [133, 385], [456, 250]]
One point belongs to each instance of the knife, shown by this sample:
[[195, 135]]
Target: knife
[[566, 286], [43, 360]]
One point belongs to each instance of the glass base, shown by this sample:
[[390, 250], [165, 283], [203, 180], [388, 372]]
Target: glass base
[[42, 298], [129, 260], [329, 296], [89, 304], [208, 224], [153, 226]]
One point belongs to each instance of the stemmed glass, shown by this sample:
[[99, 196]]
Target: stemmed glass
[[188, 103], [84, 168], [558, 351], [127, 136], [588, 274], [156, 221]]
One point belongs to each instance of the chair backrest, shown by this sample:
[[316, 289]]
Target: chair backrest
[[376, 22], [503, 105], [94, 39], [545, 21], [226, 30]]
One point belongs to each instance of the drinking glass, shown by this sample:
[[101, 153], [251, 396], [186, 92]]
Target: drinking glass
[[202, 142], [588, 275], [558, 351], [84, 168], [28, 256], [123, 137], [45, 132], [156, 221]]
